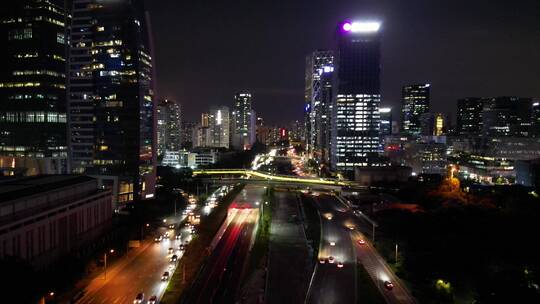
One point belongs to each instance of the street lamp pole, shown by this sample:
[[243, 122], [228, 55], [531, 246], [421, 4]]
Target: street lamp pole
[[396, 252], [105, 262]]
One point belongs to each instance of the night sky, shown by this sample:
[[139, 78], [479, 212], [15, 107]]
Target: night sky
[[207, 50]]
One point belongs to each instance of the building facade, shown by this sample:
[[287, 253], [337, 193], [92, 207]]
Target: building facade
[[415, 102], [33, 58], [318, 97], [169, 126], [386, 121], [43, 218], [243, 127], [111, 108], [469, 116], [356, 131], [219, 127]]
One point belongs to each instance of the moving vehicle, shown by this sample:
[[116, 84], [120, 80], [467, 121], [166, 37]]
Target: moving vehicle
[[139, 298], [322, 261], [158, 239], [331, 259], [340, 264], [388, 285], [171, 226], [165, 276], [361, 242], [174, 258], [152, 300], [170, 250]]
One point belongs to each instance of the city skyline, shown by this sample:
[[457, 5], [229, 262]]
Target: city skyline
[[413, 44]]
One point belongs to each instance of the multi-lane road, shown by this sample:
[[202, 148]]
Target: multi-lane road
[[330, 283], [139, 272], [340, 239], [220, 277]]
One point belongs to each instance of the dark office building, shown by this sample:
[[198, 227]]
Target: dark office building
[[506, 116], [33, 86], [111, 103], [357, 96], [415, 103], [469, 116]]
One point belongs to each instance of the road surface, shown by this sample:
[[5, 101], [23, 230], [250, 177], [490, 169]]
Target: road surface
[[139, 271], [331, 284], [289, 264], [220, 277]]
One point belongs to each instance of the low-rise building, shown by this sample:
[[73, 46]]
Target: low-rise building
[[43, 218]]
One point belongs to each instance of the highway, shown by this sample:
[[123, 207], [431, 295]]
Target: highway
[[331, 284], [219, 279]]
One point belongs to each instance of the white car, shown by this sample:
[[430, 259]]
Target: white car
[[331, 260], [332, 243]]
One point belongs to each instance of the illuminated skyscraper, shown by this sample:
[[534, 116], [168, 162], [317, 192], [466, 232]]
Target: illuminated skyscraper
[[219, 126], [243, 124], [357, 96], [33, 60], [111, 103], [318, 97], [386, 121], [169, 130], [415, 103]]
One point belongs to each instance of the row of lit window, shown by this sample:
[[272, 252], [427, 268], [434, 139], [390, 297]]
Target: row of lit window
[[20, 34], [51, 117], [39, 72], [32, 96]]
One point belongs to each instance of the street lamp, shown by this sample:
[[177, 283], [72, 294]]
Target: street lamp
[[105, 262]]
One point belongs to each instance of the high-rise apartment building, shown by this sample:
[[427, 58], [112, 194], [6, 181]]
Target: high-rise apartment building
[[415, 99], [469, 116], [219, 125], [110, 102], [169, 126], [188, 130], [355, 133], [33, 87], [243, 124], [318, 97]]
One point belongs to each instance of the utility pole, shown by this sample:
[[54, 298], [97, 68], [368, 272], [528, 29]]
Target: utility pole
[[396, 252]]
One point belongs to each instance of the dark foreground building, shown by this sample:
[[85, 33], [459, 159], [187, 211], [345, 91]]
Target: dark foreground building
[[45, 217], [33, 87]]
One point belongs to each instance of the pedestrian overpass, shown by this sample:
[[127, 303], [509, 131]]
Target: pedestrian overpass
[[273, 177]]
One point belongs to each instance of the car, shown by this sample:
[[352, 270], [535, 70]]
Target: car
[[171, 226], [332, 243], [178, 236], [139, 298], [174, 258], [340, 264], [170, 250], [181, 247], [329, 217], [184, 212], [361, 242], [158, 239], [152, 300], [350, 227], [166, 235], [165, 276], [322, 261], [388, 285], [331, 260]]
